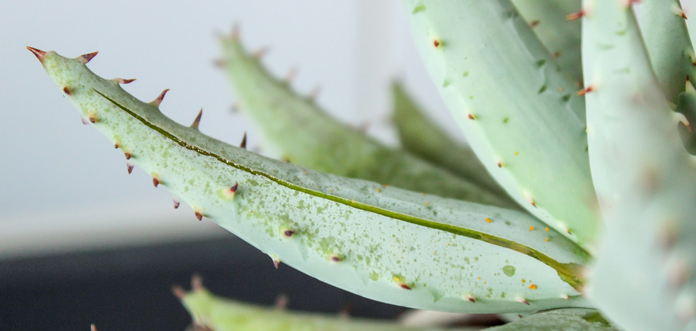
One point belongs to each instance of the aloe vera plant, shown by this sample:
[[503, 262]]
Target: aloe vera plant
[[581, 197]]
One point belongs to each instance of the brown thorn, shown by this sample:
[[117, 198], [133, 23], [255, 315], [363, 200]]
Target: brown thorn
[[436, 43], [92, 119], [576, 15], [127, 155], [235, 31], [84, 121], [243, 144], [276, 263], [336, 259], [471, 117], [219, 63], [290, 76], [346, 311], [155, 182], [66, 90], [199, 216], [38, 53], [130, 168], [500, 165], [178, 291], [281, 302], [197, 282], [405, 287], [85, 58], [314, 93], [288, 233], [159, 99], [197, 120], [124, 81], [92, 327], [261, 52], [176, 203], [585, 90], [116, 146], [234, 188], [533, 24]]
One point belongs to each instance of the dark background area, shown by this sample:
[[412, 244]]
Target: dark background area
[[130, 289]]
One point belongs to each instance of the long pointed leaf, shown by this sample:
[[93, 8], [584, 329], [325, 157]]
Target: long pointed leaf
[[308, 136], [387, 244], [643, 278], [518, 112]]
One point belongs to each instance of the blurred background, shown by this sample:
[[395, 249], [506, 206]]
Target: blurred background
[[80, 240]]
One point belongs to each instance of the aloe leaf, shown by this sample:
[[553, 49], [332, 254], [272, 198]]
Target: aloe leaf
[[308, 136], [221, 314], [669, 45], [686, 105], [562, 319], [643, 277], [420, 136], [552, 21], [384, 243], [520, 115]]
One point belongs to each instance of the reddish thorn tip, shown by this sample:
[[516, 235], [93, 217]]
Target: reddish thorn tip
[[576, 15], [500, 165], [38, 53], [116, 146], [197, 282], [130, 168], [405, 287], [85, 58], [84, 121], [178, 292], [92, 327], [127, 155], [472, 299], [159, 99], [234, 188], [66, 90], [533, 204], [176, 204], [92, 119], [276, 263], [585, 90], [336, 259], [155, 182], [244, 141], [125, 81], [534, 23], [199, 216], [289, 233], [436, 43], [197, 120], [471, 117]]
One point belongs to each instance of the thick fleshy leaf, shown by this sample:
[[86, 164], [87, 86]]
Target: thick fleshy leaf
[[420, 136], [306, 135], [383, 243], [221, 314], [553, 22], [663, 26], [563, 319], [520, 115], [643, 278]]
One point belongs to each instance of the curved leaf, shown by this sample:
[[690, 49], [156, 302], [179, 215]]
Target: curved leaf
[[564, 319], [420, 136], [387, 244], [643, 278], [517, 111], [549, 19], [308, 136]]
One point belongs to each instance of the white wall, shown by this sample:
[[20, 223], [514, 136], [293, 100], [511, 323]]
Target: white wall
[[62, 185]]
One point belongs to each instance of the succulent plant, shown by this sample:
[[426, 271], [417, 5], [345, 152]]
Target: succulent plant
[[580, 196]]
